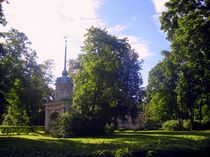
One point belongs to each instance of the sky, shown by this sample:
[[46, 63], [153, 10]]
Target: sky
[[47, 22]]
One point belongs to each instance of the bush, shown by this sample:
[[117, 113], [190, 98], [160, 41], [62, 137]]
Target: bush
[[109, 128], [68, 125], [206, 125], [61, 126], [187, 125], [197, 125], [74, 124], [13, 118], [19, 129], [152, 124], [171, 125], [15, 129]]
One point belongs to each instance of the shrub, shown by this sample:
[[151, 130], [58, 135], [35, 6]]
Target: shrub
[[61, 126], [171, 125], [206, 125], [79, 125], [15, 129], [13, 118], [152, 124], [187, 125], [197, 125], [70, 125], [74, 124], [109, 128], [95, 125]]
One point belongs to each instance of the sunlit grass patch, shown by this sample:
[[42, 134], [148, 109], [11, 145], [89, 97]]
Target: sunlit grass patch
[[121, 142]]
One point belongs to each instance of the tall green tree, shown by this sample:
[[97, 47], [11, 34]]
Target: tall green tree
[[24, 83], [3, 23], [161, 96], [107, 84], [187, 26]]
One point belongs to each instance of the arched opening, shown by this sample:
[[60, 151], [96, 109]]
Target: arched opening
[[53, 116]]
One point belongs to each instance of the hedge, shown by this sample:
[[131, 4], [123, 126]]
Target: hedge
[[19, 129]]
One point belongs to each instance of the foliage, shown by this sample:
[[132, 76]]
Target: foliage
[[171, 125], [108, 80], [187, 26], [6, 130], [74, 124], [61, 127], [2, 22], [2, 17], [127, 143], [178, 85], [109, 128], [24, 84], [157, 112], [15, 117], [206, 125], [187, 125], [161, 94], [15, 129]]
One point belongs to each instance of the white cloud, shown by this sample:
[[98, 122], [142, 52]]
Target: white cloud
[[117, 28], [156, 20], [159, 5], [140, 45], [47, 22], [159, 8]]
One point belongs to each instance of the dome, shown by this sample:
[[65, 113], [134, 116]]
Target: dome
[[63, 79]]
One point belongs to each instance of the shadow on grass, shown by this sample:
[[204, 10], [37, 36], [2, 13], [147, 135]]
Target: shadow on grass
[[17, 147], [198, 133], [143, 144]]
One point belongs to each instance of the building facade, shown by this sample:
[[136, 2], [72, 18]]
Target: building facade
[[63, 96]]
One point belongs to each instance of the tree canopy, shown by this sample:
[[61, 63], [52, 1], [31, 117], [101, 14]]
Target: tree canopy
[[108, 81], [186, 24], [24, 84]]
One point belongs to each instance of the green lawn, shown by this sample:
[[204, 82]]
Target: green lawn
[[127, 143]]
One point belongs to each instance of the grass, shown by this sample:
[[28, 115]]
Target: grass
[[125, 143]]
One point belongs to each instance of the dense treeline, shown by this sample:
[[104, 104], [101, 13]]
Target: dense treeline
[[24, 84], [178, 86]]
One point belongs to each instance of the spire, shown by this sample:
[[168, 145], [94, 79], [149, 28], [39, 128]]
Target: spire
[[65, 73]]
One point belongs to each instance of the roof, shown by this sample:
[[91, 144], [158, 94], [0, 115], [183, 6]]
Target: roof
[[63, 79]]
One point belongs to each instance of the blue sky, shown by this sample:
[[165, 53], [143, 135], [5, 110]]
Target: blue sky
[[47, 22]]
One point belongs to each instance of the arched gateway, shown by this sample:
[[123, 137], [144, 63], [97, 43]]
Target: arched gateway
[[63, 96]]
